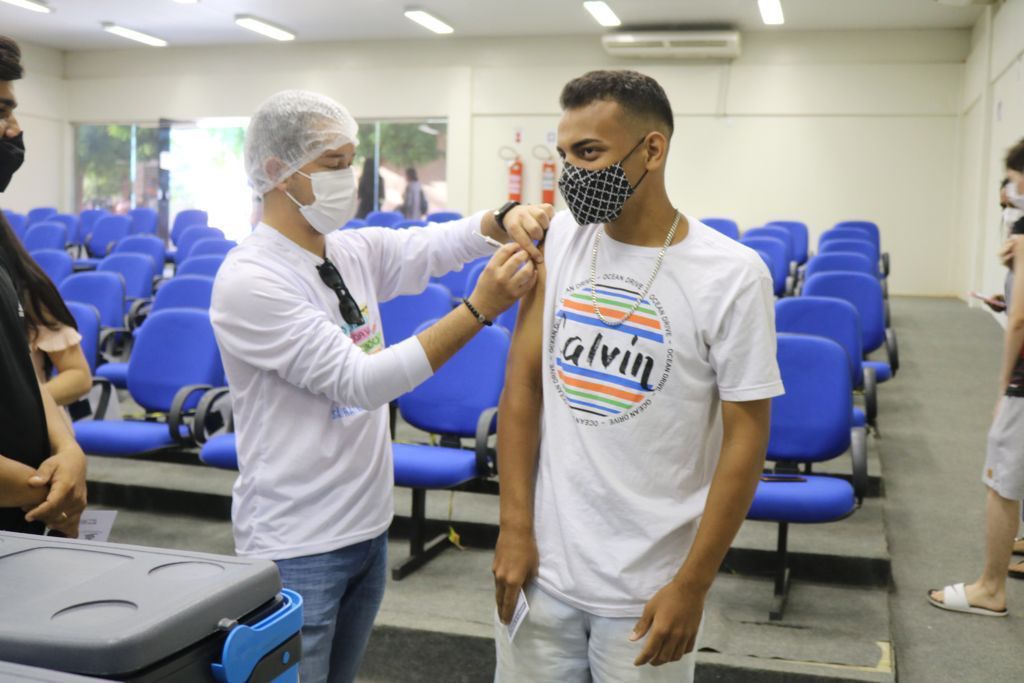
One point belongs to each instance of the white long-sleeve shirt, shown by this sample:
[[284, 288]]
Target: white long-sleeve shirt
[[310, 392]]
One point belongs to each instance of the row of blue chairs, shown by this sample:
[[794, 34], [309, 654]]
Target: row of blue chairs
[[395, 219]]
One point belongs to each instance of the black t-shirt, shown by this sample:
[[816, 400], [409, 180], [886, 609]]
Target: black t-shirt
[[23, 435]]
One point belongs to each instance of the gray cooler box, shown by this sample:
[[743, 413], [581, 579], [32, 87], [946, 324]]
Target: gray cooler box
[[131, 613], [19, 673]]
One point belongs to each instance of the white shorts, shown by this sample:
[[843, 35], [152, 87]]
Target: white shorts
[[558, 643], [1004, 458]]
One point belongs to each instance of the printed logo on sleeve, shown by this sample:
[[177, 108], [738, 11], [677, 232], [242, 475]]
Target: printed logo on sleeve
[[370, 338], [608, 375]]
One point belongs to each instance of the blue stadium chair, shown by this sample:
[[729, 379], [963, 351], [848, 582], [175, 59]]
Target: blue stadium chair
[[180, 291], [70, 223], [839, 321], [474, 276], [384, 219], [459, 401], [38, 215], [865, 293], [829, 244], [726, 226], [55, 263], [186, 219], [839, 261], [149, 245], [780, 234], [17, 222], [200, 265], [87, 318], [355, 223], [456, 280], [105, 291], [211, 246], [874, 234], [220, 451], [106, 233], [402, 315], [87, 221], [443, 216], [174, 360], [138, 271], [144, 221], [782, 281], [809, 424], [189, 239], [45, 235], [409, 224], [801, 237]]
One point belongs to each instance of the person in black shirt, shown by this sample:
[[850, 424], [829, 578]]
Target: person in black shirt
[[42, 469]]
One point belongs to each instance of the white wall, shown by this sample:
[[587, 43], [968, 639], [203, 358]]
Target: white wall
[[42, 112], [813, 125], [992, 121]]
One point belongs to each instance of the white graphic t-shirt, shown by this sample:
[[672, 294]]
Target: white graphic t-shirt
[[631, 426]]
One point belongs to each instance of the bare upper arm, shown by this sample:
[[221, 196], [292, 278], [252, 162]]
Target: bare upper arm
[[71, 358], [525, 354], [748, 420]]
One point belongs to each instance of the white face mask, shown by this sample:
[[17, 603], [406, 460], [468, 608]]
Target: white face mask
[[1014, 196], [334, 200], [1010, 218]]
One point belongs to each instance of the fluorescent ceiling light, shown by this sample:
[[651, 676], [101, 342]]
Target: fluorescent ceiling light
[[602, 13], [187, 2], [30, 5], [428, 21], [130, 34], [263, 28], [771, 12]]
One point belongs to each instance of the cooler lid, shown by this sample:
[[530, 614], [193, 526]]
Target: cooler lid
[[103, 608]]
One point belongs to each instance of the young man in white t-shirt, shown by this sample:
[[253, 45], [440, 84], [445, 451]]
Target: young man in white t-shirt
[[295, 312], [634, 421]]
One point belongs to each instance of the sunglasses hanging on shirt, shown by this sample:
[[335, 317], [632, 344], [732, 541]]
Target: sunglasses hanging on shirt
[[332, 278]]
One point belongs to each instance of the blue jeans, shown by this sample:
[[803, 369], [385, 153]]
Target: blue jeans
[[341, 592]]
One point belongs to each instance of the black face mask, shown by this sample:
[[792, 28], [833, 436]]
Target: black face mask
[[12, 156]]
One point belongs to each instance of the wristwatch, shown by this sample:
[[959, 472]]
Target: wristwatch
[[499, 215]]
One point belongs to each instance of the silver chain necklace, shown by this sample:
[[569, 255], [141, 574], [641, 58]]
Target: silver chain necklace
[[647, 287]]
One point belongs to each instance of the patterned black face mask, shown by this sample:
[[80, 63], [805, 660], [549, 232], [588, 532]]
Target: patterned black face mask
[[597, 196], [12, 155]]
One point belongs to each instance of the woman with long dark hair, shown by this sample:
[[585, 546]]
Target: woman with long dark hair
[[52, 333]]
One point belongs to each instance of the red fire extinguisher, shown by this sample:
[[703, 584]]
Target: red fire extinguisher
[[515, 180], [548, 172]]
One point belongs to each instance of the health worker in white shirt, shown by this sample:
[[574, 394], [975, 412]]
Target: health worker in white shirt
[[634, 422], [296, 314]]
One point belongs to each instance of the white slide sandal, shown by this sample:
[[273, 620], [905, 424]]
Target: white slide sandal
[[954, 599]]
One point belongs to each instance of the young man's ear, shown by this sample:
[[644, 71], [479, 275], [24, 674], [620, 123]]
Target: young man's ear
[[655, 150]]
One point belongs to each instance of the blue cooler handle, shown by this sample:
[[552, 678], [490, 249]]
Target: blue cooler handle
[[246, 646]]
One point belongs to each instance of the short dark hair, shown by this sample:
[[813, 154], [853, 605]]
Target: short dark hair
[[636, 93], [10, 60], [1015, 157]]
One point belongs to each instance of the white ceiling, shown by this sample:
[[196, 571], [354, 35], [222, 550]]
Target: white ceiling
[[75, 24]]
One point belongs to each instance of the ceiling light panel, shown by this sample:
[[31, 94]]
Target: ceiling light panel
[[264, 28], [428, 21], [771, 12], [132, 34], [30, 5], [602, 13]]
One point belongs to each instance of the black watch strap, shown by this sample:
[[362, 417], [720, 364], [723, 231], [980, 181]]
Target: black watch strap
[[499, 215]]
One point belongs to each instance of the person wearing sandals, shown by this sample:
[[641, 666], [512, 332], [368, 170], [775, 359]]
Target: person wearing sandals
[[1003, 473]]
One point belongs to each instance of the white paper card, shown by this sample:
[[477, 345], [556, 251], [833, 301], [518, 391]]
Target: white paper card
[[95, 525], [522, 609]]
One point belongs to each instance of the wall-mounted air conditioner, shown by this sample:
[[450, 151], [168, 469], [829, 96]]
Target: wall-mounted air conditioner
[[673, 44]]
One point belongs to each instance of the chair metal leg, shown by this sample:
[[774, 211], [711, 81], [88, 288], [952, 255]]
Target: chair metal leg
[[419, 552], [781, 575]]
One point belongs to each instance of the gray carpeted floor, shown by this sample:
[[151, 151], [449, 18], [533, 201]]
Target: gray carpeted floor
[[935, 416]]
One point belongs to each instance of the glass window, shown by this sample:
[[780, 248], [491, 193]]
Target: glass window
[[116, 167], [411, 172]]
